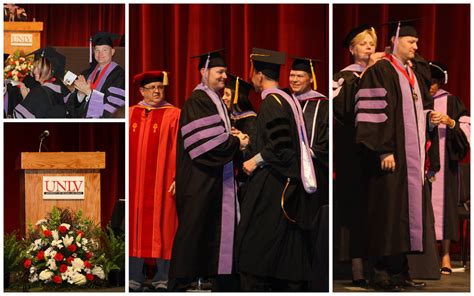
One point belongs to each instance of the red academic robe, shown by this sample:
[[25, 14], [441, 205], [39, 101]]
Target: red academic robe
[[152, 159]]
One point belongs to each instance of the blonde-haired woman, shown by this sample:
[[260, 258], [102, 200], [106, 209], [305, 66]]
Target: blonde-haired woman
[[349, 195]]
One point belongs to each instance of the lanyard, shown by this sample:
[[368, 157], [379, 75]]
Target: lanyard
[[410, 78]]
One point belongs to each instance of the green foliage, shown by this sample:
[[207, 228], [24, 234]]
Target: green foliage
[[12, 249], [113, 248]]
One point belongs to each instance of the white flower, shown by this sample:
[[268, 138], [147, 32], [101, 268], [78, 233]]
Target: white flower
[[33, 278], [99, 272], [55, 235], [68, 240], [41, 221], [32, 269], [79, 279], [77, 264], [56, 242], [46, 275], [51, 264], [47, 253], [38, 244], [53, 253], [65, 225], [84, 241]]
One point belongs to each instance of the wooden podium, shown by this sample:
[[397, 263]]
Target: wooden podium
[[24, 36], [62, 179]]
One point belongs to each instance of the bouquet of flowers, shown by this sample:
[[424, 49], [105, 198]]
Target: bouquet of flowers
[[17, 66], [63, 252]]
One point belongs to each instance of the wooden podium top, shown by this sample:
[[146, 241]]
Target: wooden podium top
[[62, 160], [23, 26]]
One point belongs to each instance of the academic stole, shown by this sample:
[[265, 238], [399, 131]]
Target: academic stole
[[101, 74], [410, 76]]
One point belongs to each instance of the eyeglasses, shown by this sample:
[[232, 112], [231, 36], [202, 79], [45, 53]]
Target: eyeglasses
[[155, 87]]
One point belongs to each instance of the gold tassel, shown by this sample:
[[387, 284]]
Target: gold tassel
[[251, 69], [283, 201], [165, 78], [315, 85], [236, 96]]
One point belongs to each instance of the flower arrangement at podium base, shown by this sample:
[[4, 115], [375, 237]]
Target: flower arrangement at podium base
[[63, 253]]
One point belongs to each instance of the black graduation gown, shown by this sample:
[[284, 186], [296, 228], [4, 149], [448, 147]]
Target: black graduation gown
[[320, 145], [380, 127], [455, 149], [45, 101], [320, 199], [247, 126], [12, 95], [350, 198], [199, 193], [267, 243], [113, 91]]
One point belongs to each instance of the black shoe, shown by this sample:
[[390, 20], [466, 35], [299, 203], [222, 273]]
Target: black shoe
[[411, 284], [386, 286], [360, 283], [200, 286]]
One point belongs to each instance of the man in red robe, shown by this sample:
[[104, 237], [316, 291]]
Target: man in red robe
[[153, 135]]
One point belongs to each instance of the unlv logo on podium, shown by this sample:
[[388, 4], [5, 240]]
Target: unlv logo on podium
[[63, 187]]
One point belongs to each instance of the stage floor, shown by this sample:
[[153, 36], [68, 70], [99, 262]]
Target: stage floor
[[456, 282]]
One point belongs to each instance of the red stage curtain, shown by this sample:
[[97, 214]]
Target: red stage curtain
[[67, 137], [443, 31], [73, 24], [165, 36]]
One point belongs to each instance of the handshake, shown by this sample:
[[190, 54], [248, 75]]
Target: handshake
[[243, 138]]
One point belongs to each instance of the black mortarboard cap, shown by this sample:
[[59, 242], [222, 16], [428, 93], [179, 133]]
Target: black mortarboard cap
[[406, 28], [104, 38], [354, 32], [439, 71], [303, 64], [57, 60], [239, 101], [268, 62], [215, 59]]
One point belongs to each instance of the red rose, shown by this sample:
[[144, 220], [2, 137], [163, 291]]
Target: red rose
[[47, 233], [81, 233], [40, 255], [88, 255], [27, 263], [69, 259], [87, 264], [57, 279], [62, 268], [90, 277], [62, 229], [58, 257], [72, 248]]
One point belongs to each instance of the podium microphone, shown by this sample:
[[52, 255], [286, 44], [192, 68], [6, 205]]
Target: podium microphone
[[43, 136]]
